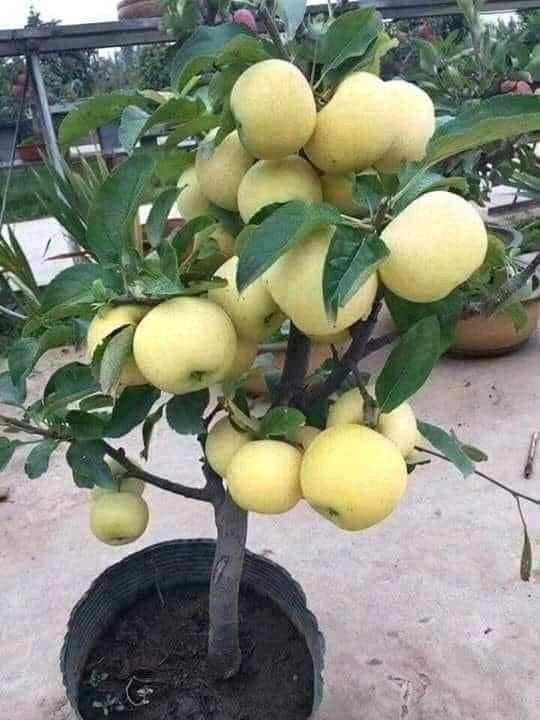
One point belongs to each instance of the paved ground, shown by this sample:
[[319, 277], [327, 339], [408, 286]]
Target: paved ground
[[425, 616]]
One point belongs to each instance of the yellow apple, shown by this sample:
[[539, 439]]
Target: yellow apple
[[274, 108], [192, 203], [304, 436], [354, 130], [277, 181], [119, 518], [264, 477], [295, 283], [125, 483], [347, 409], [185, 344], [253, 312], [435, 244], [399, 426], [338, 191], [222, 443], [413, 120], [106, 322], [353, 476], [246, 352], [220, 169]]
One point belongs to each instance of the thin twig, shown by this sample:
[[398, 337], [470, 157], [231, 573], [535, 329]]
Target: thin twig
[[360, 333], [273, 31], [515, 493]]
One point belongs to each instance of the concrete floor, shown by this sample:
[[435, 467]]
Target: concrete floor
[[425, 616]]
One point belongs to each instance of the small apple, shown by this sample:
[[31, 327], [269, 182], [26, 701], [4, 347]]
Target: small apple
[[245, 17], [253, 312], [106, 322], [222, 443], [119, 518], [264, 477]]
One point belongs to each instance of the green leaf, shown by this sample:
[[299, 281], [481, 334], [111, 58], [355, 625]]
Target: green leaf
[[11, 393], [350, 36], [185, 412], [69, 384], [22, 356], [85, 426], [118, 349], [131, 408], [292, 13], [222, 83], [498, 118], [96, 402], [525, 567], [352, 258], [409, 364], [74, 281], [37, 462], [132, 124], [168, 261], [517, 314], [7, 449], [96, 112], [112, 214], [448, 445], [405, 314], [148, 429], [474, 453], [284, 229], [368, 191], [245, 50], [281, 421], [86, 460], [171, 163], [159, 214], [415, 182], [198, 53], [198, 125]]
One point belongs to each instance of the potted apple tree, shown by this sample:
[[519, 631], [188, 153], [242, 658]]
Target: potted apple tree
[[313, 199]]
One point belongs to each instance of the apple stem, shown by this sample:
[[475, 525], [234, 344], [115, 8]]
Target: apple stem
[[224, 655]]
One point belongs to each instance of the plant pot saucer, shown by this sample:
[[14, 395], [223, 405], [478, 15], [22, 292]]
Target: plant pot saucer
[[483, 336]]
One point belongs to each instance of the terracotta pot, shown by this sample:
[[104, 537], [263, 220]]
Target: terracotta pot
[[32, 153], [131, 9], [484, 337]]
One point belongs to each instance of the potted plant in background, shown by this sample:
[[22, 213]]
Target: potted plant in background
[[198, 627], [32, 149]]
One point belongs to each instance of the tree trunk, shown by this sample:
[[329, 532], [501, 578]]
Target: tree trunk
[[224, 654]]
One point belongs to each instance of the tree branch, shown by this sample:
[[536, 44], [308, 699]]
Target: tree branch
[[515, 493], [382, 341], [360, 332], [296, 364], [273, 31], [205, 494]]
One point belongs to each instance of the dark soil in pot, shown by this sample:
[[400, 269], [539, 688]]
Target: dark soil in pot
[[156, 652]]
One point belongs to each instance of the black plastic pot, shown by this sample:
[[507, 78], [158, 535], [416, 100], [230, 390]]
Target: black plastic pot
[[179, 562]]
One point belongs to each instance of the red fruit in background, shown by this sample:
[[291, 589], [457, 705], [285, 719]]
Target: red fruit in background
[[508, 86], [245, 17], [426, 31], [523, 88]]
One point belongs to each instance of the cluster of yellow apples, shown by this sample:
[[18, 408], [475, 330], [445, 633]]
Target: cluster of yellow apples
[[120, 515], [350, 473], [286, 149]]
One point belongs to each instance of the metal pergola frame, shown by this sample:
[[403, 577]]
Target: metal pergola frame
[[34, 42]]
